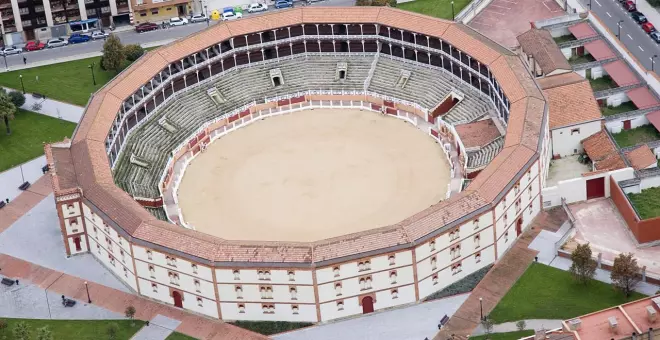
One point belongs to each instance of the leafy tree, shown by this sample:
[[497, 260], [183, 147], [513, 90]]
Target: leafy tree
[[112, 331], [18, 98], [625, 273], [113, 54], [7, 110], [130, 313], [133, 52], [584, 266], [521, 325], [22, 331], [44, 333]]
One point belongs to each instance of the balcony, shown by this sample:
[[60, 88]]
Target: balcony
[[56, 8]]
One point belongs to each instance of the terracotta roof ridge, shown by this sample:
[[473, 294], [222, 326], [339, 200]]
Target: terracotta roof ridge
[[355, 235], [570, 82]]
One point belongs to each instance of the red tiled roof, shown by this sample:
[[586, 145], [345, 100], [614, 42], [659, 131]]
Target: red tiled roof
[[641, 158], [571, 100], [477, 134], [93, 174], [540, 44], [582, 31], [642, 98], [599, 50], [654, 119], [621, 73], [602, 152]]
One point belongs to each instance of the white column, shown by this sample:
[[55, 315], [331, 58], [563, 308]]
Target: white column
[[83, 10], [17, 15], [48, 13], [113, 7]]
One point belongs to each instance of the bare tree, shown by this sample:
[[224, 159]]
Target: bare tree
[[488, 326], [625, 273], [584, 266]]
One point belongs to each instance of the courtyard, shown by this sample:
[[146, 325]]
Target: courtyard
[[638, 135], [565, 168]]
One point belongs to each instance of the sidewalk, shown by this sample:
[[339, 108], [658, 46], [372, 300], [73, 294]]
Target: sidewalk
[[12, 178], [535, 324], [650, 12], [52, 108]]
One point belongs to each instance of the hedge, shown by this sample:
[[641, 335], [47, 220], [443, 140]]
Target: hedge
[[461, 286], [270, 327]]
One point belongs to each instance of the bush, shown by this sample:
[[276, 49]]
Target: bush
[[18, 98], [461, 286], [133, 52], [102, 64], [3, 324], [270, 327], [112, 331], [654, 3]]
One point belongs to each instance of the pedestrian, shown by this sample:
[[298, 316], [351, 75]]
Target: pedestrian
[[24, 60]]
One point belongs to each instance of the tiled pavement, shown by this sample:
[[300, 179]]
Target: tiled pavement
[[114, 300], [500, 279], [160, 327]]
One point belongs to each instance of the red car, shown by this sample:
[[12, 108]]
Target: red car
[[629, 6], [145, 27], [34, 46], [648, 27]]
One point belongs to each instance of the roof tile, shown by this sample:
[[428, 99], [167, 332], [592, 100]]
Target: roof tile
[[540, 44], [641, 157], [572, 103]]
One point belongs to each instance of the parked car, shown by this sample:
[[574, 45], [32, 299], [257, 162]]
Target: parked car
[[198, 18], [77, 38], [638, 17], [228, 9], [227, 16], [8, 50], [648, 27], [176, 21], [283, 4], [99, 35], [655, 36], [630, 6], [257, 7], [56, 42], [34, 46], [146, 27]]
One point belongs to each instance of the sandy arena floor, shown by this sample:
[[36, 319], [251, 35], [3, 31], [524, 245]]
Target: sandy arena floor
[[312, 175]]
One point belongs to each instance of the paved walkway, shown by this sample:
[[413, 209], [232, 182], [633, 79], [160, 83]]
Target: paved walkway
[[160, 327], [500, 279], [52, 108], [411, 323], [12, 178], [535, 324]]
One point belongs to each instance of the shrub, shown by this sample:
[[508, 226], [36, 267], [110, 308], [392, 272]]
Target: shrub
[[102, 64], [112, 331], [3, 324], [270, 327], [133, 52], [461, 286], [18, 98], [21, 331]]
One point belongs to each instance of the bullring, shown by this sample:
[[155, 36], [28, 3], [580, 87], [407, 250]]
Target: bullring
[[115, 195]]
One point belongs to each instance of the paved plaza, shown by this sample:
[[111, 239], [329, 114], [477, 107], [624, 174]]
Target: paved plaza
[[565, 168]]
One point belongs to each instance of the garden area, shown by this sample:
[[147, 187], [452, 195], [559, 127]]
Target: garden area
[[647, 202], [615, 110], [439, 9], [638, 135], [30, 131], [544, 292], [69, 329], [600, 84], [504, 336], [269, 327]]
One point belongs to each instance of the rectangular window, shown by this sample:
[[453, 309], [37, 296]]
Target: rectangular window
[[154, 11], [576, 130]]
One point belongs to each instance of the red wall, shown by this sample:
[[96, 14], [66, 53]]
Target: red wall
[[645, 230]]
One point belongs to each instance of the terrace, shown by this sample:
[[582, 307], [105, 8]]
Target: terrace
[[615, 110], [602, 83], [638, 135], [647, 202], [581, 59]]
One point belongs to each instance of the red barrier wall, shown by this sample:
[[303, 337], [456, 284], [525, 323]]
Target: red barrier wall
[[644, 230]]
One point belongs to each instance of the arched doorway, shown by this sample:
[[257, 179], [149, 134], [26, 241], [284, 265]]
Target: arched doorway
[[76, 241], [367, 305], [178, 299]]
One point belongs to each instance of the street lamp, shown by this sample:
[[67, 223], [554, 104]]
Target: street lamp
[[206, 13], [89, 300], [590, 5], [22, 85], [481, 308], [91, 67], [453, 17], [5, 56], [619, 25], [653, 62]]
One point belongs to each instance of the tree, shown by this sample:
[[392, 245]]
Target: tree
[[113, 54], [521, 325], [17, 98], [625, 273], [133, 52], [44, 333], [584, 266], [130, 313], [488, 325], [7, 110], [112, 331], [22, 331]]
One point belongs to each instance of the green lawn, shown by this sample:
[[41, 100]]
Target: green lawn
[[614, 110], [75, 329], [29, 133], [270, 327], [602, 83], [179, 336], [434, 8], [574, 60], [564, 38], [545, 292], [504, 336], [647, 202], [642, 134]]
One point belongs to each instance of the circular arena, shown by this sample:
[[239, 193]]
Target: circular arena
[[306, 165]]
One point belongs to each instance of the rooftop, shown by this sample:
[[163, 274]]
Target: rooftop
[[570, 99], [602, 152], [540, 44], [477, 134], [641, 157]]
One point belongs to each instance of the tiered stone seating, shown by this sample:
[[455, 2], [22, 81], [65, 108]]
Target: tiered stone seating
[[470, 109], [480, 158]]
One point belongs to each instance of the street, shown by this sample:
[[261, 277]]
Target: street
[[131, 37], [633, 37]]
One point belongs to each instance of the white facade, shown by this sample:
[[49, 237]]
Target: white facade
[[575, 190], [567, 140], [616, 126]]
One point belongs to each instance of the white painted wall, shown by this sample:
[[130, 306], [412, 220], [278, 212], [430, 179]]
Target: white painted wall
[[254, 311], [83, 245], [616, 126], [575, 190], [567, 141], [617, 99], [649, 182]]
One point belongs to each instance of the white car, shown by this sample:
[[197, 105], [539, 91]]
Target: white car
[[257, 7], [56, 42], [99, 35], [227, 16], [176, 21], [198, 18], [7, 50]]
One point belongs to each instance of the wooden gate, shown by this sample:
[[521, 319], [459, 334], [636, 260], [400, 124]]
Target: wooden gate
[[596, 188]]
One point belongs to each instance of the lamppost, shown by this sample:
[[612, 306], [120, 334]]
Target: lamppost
[[206, 13], [653, 62], [590, 5], [89, 300], [619, 26], [22, 85], [453, 17], [91, 67], [5, 56], [481, 308]]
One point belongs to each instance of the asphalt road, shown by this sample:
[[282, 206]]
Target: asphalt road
[[633, 37], [130, 37]]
